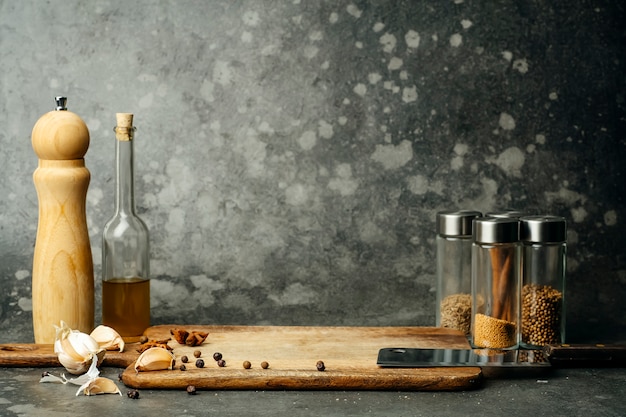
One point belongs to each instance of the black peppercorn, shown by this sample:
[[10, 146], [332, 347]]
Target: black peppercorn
[[221, 363], [191, 390], [183, 367], [197, 353], [320, 366], [184, 359], [247, 365], [217, 356], [199, 363], [133, 394]]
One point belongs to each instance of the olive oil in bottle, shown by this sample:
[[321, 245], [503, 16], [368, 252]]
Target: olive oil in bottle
[[125, 247]]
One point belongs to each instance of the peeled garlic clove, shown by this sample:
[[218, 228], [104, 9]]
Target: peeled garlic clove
[[76, 350], [108, 338], [154, 359]]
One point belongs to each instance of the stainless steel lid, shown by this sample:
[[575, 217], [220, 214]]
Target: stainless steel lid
[[496, 230], [548, 229], [456, 223], [509, 213]]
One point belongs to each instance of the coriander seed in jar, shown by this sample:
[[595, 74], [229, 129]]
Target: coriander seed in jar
[[543, 280], [454, 257]]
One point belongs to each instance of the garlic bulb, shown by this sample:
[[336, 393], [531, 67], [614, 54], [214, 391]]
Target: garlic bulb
[[108, 338], [154, 359], [76, 350]]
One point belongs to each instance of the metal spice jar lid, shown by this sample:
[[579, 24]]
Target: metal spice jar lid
[[508, 213], [496, 230], [456, 223], [548, 229]]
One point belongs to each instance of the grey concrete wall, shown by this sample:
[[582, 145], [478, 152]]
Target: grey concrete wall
[[291, 155]]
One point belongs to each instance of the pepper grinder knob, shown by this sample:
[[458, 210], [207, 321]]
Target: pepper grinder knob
[[61, 102]]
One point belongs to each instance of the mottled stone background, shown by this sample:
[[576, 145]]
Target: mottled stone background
[[291, 155]]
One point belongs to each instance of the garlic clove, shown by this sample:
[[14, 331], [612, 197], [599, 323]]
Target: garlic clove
[[72, 365], [83, 343], [78, 367], [154, 359], [99, 385], [108, 338], [76, 350]]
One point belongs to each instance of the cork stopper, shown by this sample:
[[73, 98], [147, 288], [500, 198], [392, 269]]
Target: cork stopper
[[60, 135], [124, 128]]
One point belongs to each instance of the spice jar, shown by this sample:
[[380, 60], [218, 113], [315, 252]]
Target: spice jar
[[543, 280], [496, 252], [454, 260]]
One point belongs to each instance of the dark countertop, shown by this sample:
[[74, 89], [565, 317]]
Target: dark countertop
[[551, 392]]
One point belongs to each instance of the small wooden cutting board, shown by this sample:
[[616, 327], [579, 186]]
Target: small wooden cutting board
[[349, 355], [23, 355]]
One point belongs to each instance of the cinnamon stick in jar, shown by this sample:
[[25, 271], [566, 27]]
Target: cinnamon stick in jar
[[495, 283]]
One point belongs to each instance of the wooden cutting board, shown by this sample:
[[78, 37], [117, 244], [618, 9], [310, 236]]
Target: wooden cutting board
[[349, 354], [21, 355]]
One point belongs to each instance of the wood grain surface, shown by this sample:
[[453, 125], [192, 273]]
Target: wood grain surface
[[62, 277], [21, 355], [349, 354]]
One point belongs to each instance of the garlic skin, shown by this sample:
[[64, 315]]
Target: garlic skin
[[76, 350], [91, 383], [108, 338], [154, 359]]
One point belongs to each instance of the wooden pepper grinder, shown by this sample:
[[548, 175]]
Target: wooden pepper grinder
[[63, 281]]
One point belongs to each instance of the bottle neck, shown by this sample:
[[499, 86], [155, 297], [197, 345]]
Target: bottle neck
[[124, 181]]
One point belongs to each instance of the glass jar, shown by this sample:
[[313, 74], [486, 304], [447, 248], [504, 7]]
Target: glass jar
[[454, 260], [543, 280], [496, 254]]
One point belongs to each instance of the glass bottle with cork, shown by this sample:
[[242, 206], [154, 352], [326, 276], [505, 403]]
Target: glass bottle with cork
[[125, 247], [454, 260]]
